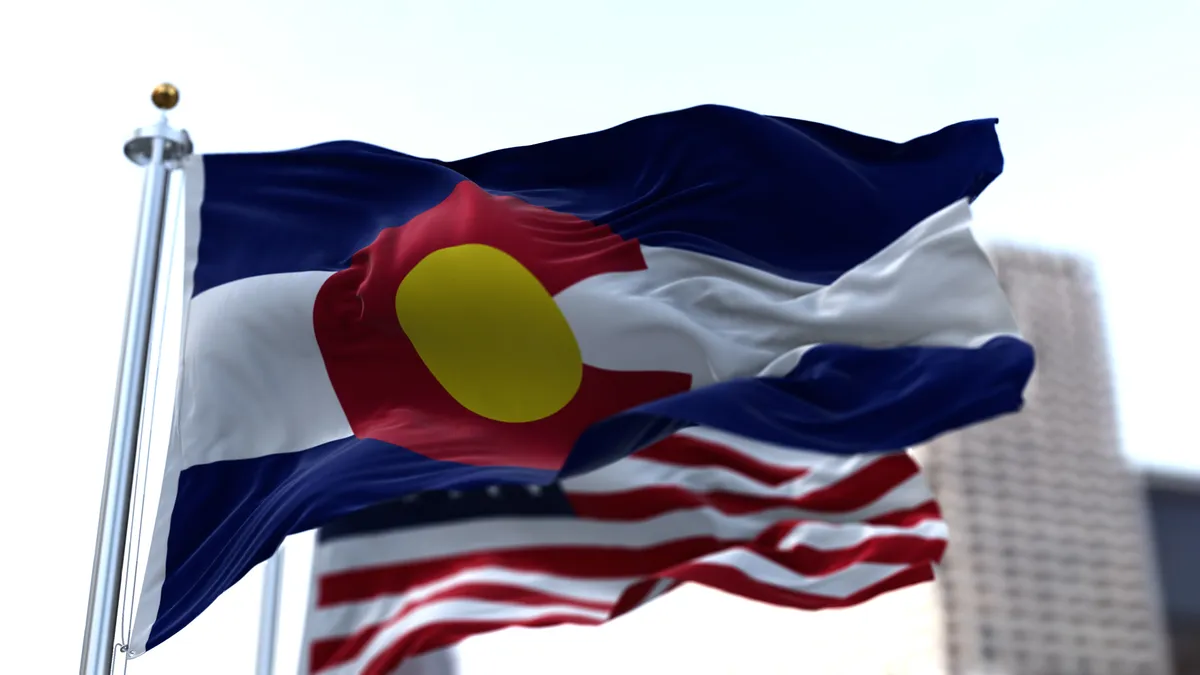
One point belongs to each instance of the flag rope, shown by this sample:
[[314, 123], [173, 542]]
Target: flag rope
[[137, 513]]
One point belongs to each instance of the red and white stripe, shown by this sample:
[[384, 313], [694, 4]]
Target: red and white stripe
[[796, 529]]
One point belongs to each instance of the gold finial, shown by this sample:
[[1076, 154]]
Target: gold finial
[[165, 96]]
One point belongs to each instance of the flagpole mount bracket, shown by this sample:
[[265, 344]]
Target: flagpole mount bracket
[[176, 144]]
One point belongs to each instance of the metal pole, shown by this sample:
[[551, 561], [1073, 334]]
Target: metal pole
[[268, 616], [160, 149]]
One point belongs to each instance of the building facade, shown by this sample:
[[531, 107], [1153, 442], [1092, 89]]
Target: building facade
[[1050, 570], [1174, 501]]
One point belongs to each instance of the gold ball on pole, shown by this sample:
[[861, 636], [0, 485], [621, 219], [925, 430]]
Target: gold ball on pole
[[165, 96]]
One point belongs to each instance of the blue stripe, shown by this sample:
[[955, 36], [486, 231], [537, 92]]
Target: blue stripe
[[839, 399], [229, 516], [308, 209], [803, 200]]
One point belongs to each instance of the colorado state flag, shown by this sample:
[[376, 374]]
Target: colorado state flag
[[363, 324]]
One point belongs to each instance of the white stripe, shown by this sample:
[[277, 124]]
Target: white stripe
[[254, 379], [636, 473], [496, 534], [686, 312], [348, 617], [717, 320], [823, 470], [832, 537], [912, 492], [775, 455], [449, 611], [840, 584], [660, 586]]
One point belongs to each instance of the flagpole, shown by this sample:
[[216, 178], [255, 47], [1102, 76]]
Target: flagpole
[[160, 149], [268, 615]]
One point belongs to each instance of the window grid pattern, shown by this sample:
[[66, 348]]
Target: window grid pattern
[[1049, 570]]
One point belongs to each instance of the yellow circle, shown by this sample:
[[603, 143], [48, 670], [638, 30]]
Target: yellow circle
[[490, 333]]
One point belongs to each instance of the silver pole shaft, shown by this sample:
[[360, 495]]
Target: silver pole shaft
[[156, 148], [268, 616]]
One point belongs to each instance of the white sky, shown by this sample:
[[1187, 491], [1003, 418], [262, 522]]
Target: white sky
[[1098, 100]]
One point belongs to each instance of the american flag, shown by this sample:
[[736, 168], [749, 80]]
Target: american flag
[[795, 529]]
